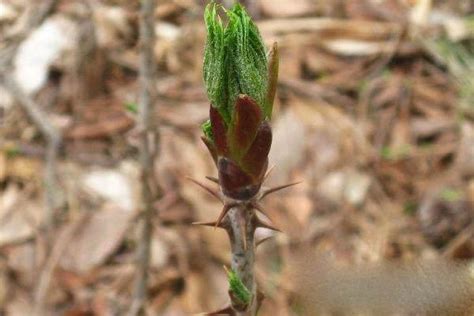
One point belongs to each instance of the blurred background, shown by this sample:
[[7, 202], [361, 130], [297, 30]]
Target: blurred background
[[374, 113]]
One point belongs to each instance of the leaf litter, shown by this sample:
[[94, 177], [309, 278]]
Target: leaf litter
[[373, 112]]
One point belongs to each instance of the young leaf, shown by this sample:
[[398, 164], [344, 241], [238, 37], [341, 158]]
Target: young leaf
[[237, 287], [234, 60]]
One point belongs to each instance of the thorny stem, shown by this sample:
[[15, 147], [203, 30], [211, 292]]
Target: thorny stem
[[240, 80], [239, 219], [241, 225]]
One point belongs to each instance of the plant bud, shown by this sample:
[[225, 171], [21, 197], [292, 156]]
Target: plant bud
[[240, 83]]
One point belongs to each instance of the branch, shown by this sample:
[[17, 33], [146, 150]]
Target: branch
[[53, 139], [47, 129], [148, 150], [40, 14], [36, 18]]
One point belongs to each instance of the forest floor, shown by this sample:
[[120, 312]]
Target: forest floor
[[374, 114]]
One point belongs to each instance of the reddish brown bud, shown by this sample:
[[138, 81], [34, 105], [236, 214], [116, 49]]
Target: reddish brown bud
[[235, 183], [245, 122], [211, 147], [219, 132], [256, 160]]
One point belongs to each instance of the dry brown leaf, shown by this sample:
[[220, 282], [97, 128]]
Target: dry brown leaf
[[466, 150], [112, 25], [7, 12], [159, 252], [19, 306], [300, 204], [203, 291], [101, 234], [288, 145], [3, 166], [23, 168], [285, 9], [115, 124], [4, 284], [18, 220], [21, 260], [330, 28], [116, 186]]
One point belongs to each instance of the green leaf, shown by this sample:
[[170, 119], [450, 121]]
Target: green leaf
[[451, 195], [207, 129], [410, 207], [238, 288], [12, 151], [235, 61], [131, 107], [214, 53]]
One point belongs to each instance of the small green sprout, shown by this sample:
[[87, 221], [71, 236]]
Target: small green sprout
[[397, 153], [451, 195], [237, 287], [207, 129], [131, 107]]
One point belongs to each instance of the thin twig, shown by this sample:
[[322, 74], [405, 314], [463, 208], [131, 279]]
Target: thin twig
[[148, 150], [46, 274], [36, 18], [53, 139], [47, 129], [40, 14]]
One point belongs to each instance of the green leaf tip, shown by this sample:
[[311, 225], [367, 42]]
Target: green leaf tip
[[237, 287], [207, 129], [235, 60]]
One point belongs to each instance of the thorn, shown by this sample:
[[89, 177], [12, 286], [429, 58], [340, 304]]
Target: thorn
[[212, 179], [223, 213], [223, 311], [210, 224], [267, 174], [262, 224], [278, 188], [227, 271], [260, 208], [208, 189], [261, 241]]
